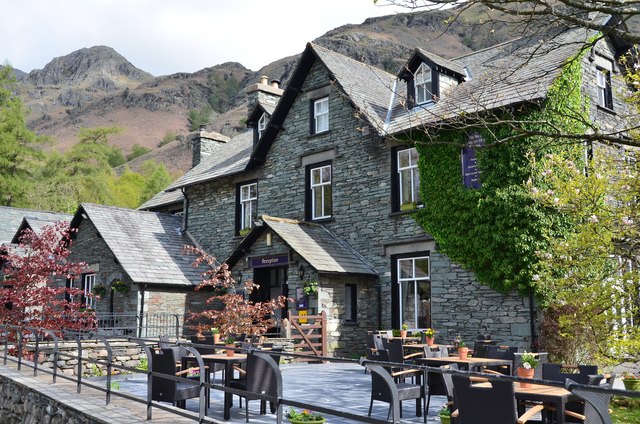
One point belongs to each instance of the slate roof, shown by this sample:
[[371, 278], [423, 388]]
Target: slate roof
[[229, 159], [148, 245], [438, 60], [36, 224], [325, 252], [502, 75], [11, 220], [163, 198]]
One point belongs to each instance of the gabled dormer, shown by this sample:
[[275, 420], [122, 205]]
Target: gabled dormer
[[262, 99], [429, 78]]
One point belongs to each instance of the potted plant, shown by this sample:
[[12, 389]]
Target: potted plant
[[430, 335], [310, 288], [527, 370], [230, 342], [216, 335], [99, 290], [403, 332], [120, 286], [631, 381], [463, 350], [304, 416], [445, 415]]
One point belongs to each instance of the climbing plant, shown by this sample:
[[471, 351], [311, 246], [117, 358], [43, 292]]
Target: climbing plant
[[496, 230]]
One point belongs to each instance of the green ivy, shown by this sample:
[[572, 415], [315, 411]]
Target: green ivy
[[496, 230]]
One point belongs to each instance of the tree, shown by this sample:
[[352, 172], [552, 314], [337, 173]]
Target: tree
[[32, 293], [19, 153], [230, 309], [198, 118]]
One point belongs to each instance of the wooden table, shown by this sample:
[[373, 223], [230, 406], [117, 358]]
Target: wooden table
[[470, 363], [228, 362], [549, 395]]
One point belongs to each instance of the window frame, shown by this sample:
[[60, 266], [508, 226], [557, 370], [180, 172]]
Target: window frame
[[397, 192], [261, 126], [310, 198], [423, 85], [240, 205], [88, 282], [318, 114], [604, 90], [397, 280]]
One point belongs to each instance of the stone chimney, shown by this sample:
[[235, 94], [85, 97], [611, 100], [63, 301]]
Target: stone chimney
[[263, 92], [205, 143]]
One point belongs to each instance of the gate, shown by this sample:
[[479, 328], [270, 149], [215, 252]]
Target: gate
[[309, 333]]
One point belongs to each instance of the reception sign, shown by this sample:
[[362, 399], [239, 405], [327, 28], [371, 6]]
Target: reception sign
[[270, 261]]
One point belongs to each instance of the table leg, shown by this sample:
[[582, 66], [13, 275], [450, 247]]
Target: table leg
[[228, 397]]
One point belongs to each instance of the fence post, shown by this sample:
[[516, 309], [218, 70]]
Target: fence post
[[177, 326], [55, 352], [19, 348], [104, 340], [323, 314]]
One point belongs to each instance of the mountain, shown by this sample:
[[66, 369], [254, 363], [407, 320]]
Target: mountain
[[97, 86]]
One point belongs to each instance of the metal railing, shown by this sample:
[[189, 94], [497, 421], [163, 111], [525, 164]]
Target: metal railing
[[145, 326], [36, 336]]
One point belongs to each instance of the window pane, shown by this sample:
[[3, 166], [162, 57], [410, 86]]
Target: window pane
[[317, 202], [315, 176], [424, 304], [326, 174], [406, 268], [327, 201], [408, 303], [322, 123], [404, 159], [422, 267], [416, 186], [413, 156]]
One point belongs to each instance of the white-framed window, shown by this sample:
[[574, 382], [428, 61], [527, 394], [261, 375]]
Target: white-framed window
[[423, 84], [321, 115], [88, 281], [603, 82], [414, 291], [262, 125], [248, 205], [321, 201], [408, 178]]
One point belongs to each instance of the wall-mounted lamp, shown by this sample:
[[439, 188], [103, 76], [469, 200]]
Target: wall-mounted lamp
[[269, 239], [239, 277], [300, 272]]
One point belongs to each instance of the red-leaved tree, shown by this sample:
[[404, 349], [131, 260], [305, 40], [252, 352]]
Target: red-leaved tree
[[231, 311], [33, 293]]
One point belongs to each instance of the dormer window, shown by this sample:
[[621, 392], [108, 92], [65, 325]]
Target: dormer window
[[262, 125], [423, 84]]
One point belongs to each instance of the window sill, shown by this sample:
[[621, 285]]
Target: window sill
[[322, 220], [606, 109], [400, 213], [319, 134]]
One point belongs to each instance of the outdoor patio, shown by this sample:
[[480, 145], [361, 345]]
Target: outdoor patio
[[342, 386]]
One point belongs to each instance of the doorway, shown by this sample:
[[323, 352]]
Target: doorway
[[273, 283]]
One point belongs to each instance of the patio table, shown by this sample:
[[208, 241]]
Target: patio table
[[548, 395], [228, 362], [470, 363]]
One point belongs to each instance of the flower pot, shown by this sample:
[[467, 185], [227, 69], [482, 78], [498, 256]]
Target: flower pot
[[463, 352], [525, 373], [445, 419], [230, 352], [216, 338], [632, 384], [307, 422], [430, 341], [403, 333]]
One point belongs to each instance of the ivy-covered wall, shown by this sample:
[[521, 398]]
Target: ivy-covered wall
[[496, 230]]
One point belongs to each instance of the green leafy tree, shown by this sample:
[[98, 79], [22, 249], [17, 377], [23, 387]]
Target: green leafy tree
[[19, 153], [198, 118], [137, 151], [156, 178]]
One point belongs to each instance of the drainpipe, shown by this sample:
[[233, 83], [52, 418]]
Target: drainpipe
[[185, 214], [379, 293], [141, 291]]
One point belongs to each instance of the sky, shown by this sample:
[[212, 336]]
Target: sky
[[168, 36]]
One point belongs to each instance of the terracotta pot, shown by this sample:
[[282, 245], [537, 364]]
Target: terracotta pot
[[230, 352], [463, 352], [216, 338], [430, 341], [525, 373], [403, 333]]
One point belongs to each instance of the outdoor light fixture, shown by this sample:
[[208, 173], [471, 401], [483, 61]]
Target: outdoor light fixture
[[239, 277], [301, 272]]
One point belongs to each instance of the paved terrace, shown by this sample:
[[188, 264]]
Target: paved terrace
[[335, 385]]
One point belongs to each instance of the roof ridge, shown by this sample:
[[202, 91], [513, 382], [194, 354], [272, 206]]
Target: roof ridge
[[358, 62]]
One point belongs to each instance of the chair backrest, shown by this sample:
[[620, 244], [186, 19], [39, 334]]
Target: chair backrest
[[164, 361], [480, 348], [374, 341], [263, 374], [484, 405], [448, 381], [436, 352], [554, 372], [596, 409], [383, 388], [204, 350], [501, 352], [395, 349]]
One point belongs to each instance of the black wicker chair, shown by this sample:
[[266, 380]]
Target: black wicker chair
[[501, 352], [383, 391], [261, 377], [487, 405], [173, 391], [596, 410]]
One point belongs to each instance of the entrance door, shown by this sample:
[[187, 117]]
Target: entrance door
[[273, 283]]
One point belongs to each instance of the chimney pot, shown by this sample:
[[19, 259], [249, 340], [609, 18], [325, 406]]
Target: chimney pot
[[264, 79], [275, 83]]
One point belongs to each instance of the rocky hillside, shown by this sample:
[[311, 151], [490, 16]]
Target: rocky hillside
[[97, 86]]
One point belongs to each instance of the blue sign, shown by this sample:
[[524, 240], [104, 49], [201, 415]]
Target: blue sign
[[470, 170], [270, 261]]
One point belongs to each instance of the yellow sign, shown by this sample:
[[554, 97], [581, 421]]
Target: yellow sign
[[302, 313]]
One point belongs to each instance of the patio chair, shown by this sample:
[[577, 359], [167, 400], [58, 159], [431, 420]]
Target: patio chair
[[261, 377], [385, 389], [586, 374], [395, 349], [206, 347], [436, 385], [448, 384], [501, 352], [435, 351], [487, 405], [175, 392], [596, 410]]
